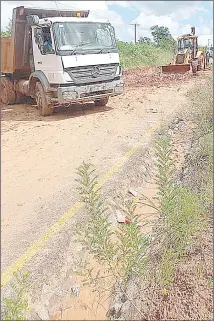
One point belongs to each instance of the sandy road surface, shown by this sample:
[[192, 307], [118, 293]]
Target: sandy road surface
[[40, 157]]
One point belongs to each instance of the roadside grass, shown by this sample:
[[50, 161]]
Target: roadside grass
[[199, 162], [16, 306], [143, 55], [181, 218], [182, 209]]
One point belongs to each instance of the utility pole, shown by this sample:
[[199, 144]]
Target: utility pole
[[135, 31], [209, 43]]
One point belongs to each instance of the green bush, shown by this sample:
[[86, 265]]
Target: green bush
[[181, 217], [143, 55]]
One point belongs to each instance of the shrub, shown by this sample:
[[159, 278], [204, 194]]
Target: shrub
[[143, 55]]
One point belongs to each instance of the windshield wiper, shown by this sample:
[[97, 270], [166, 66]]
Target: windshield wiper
[[80, 45], [108, 48]]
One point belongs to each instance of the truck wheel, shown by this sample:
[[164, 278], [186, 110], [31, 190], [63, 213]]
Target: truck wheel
[[204, 63], [199, 64], [19, 98], [8, 96], [22, 99], [101, 102], [42, 101], [194, 66]]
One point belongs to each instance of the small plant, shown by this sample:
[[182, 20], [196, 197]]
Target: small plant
[[165, 167], [180, 214], [16, 306], [96, 234], [166, 268], [133, 246], [121, 254]]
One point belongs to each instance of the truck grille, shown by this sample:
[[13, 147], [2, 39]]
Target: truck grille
[[90, 74]]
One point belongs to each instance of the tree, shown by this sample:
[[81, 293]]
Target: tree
[[8, 30], [162, 36], [144, 40]]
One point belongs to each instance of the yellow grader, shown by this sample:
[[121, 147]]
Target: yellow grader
[[188, 56]]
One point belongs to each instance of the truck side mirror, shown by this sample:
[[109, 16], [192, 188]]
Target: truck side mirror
[[32, 20]]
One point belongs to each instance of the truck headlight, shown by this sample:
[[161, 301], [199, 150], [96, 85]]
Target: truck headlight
[[69, 95], [119, 71]]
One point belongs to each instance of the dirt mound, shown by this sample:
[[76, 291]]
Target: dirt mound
[[152, 76]]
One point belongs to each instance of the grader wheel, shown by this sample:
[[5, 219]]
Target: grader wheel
[[194, 66], [204, 63], [8, 96], [201, 63]]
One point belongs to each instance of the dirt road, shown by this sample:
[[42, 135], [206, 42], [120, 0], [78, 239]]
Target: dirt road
[[40, 157]]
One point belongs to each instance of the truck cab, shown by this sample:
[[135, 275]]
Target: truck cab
[[66, 57]]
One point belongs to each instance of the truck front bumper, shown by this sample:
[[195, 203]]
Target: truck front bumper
[[89, 92]]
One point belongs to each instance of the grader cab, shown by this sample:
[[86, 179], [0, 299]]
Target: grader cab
[[188, 56]]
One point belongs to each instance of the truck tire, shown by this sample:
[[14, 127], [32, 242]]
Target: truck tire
[[8, 96], [194, 65], [43, 102], [22, 99], [19, 98], [101, 102], [201, 63]]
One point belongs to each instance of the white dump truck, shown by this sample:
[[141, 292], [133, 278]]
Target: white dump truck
[[59, 58]]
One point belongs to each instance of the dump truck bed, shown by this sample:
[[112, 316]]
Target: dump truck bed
[[7, 55]]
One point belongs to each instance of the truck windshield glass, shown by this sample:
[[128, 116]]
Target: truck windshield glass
[[185, 44], [83, 36]]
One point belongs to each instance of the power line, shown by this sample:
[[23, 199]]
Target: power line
[[57, 8], [135, 31], [76, 8], [65, 5]]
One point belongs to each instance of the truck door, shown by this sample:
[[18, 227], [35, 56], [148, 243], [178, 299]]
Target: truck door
[[44, 55]]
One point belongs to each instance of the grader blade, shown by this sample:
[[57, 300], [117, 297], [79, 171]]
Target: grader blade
[[179, 68]]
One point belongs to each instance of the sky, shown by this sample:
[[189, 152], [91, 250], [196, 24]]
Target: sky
[[178, 16]]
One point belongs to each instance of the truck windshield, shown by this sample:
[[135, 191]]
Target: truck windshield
[[73, 37], [185, 44]]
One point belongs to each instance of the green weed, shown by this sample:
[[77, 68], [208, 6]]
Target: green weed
[[122, 252], [181, 216], [16, 306]]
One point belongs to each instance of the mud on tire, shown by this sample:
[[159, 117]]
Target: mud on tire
[[8, 96], [43, 101]]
